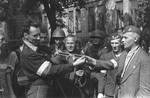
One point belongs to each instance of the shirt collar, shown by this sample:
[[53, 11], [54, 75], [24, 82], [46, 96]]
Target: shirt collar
[[30, 45], [134, 49]]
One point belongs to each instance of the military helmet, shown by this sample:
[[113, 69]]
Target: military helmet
[[58, 32], [97, 34]]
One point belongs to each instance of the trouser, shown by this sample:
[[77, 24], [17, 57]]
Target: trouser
[[42, 91], [93, 85], [100, 78]]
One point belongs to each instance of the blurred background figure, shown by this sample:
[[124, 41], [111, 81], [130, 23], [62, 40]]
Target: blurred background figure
[[44, 39], [44, 45], [95, 44], [2, 39], [8, 60]]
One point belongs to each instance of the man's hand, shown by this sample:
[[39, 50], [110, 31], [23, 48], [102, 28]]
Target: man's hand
[[79, 61], [90, 60], [80, 73], [100, 95]]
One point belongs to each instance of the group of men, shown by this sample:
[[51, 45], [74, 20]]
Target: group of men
[[57, 71]]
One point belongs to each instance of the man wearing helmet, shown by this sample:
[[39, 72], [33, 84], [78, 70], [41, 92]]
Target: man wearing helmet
[[58, 38], [95, 44], [95, 49]]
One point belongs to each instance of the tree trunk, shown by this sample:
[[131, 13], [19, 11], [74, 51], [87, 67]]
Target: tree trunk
[[51, 13]]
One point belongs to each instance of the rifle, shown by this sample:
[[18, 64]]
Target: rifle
[[79, 81], [67, 54]]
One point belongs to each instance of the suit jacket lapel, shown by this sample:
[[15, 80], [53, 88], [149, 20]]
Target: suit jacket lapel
[[131, 67], [121, 62]]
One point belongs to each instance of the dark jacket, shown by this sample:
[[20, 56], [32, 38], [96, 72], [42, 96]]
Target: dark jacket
[[110, 78], [31, 61]]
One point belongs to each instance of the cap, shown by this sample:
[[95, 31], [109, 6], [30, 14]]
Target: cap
[[132, 28], [97, 34]]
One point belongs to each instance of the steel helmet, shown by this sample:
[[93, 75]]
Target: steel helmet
[[97, 34], [58, 33]]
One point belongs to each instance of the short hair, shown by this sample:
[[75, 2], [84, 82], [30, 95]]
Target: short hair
[[70, 35], [115, 36], [29, 24]]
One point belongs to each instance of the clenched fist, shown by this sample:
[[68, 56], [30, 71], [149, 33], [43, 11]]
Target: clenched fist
[[79, 61]]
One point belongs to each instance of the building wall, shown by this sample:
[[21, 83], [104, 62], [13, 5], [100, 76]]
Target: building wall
[[85, 20]]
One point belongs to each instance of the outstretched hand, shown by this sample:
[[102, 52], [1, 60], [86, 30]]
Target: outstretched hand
[[90, 60], [79, 61]]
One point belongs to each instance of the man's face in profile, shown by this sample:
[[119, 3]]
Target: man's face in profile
[[34, 35], [129, 39]]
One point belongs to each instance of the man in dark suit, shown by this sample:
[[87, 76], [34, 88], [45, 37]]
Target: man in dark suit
[[135, 73], [39, 70]]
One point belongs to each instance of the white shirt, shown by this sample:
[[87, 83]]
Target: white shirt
[[30, 45]]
